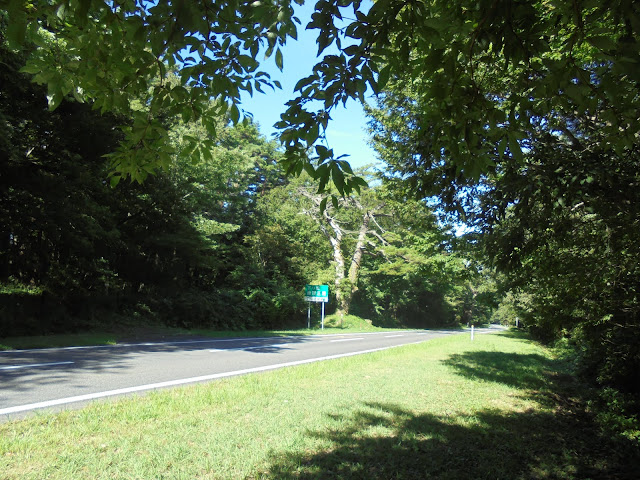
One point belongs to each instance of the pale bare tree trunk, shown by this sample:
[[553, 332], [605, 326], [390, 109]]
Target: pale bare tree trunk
[[346, 282], [338, 258], [356, 262]]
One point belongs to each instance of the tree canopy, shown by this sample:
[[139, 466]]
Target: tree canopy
[[491, 71], [225, 242], [116, 53], [525, 124]]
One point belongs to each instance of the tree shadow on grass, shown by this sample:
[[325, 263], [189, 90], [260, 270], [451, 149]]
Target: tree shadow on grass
[[559, 440], [385, 441], [537, 377], [523, 371]]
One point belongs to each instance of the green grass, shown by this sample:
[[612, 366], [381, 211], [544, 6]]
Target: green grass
[[63, 340], [500, 407]]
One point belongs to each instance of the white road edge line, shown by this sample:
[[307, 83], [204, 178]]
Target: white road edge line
[[30, 365], [346, 340], [183, 381], [393, 336]]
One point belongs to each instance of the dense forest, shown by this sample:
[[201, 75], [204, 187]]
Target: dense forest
[[133, 190], [227, 242]]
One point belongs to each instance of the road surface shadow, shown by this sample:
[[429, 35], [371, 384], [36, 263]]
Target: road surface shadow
[[114, 358]]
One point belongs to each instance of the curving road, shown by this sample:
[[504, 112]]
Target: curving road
[[68, 377]]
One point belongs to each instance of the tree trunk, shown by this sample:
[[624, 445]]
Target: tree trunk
[[354, 268], [346, 282], [338, 258]]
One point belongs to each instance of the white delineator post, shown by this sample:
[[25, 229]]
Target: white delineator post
[[471, 332]]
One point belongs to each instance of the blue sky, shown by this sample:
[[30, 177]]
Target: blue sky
[[346, 132]]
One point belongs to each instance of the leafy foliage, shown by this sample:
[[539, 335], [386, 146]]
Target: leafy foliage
[[525, 123], [112, 53], [76, 252], [222, 242], [486, 73], [386, 260], [568, 239]]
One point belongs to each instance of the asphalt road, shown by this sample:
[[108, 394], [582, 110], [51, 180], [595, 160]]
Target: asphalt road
[[59, 378]]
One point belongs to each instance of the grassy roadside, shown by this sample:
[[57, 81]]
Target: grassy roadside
[[498, 407], [125, 334]]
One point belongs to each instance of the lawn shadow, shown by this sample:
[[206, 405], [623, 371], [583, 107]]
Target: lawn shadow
[[539, 378], [523, 371], [386, 441], [558, 440]]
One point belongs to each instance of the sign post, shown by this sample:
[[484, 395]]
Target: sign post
[[316, 293]]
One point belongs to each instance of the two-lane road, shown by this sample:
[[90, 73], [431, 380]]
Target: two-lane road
[[47, 378]]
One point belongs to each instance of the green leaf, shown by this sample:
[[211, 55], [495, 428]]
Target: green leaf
[[279, 59], [312, 134], [54, 99], [323, 153], [383, 78], [303, 82], [338, 178], [186, 113], [234, 113], [248, 63], [31, 68], [345, 166], [206, 154], [361, 181], [502, 147], [323, 177], [323, 205], [16, 30], [602, 42], [309, 169], [114, 180], [254, 49], [514, 148]]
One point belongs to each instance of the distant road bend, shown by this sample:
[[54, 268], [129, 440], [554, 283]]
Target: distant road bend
[[68, 377]]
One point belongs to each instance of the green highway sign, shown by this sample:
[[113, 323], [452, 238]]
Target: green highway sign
[[316, 293]]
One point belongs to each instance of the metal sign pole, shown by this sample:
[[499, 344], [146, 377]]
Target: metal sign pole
[[322, 315], [309, 317]]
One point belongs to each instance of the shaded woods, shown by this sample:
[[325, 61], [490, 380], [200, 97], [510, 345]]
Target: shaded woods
[[222, 243]]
